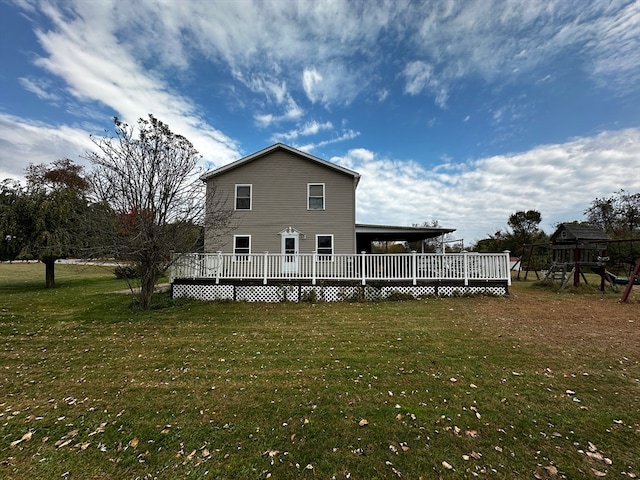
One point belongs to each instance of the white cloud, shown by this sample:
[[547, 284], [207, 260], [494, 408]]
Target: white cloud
[[309, 128], [117, 52], [310, 80], [290, 112], [40, 88], [420, 76], [23, 142], [346, 135], [86, 53], [477, 197]]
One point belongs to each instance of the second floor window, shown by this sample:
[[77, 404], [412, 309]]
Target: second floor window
[[315, 196], [243, 197]]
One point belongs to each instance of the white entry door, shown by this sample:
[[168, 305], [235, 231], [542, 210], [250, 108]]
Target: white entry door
[[290, 252]]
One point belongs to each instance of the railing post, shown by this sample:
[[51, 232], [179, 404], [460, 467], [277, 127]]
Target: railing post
[[265, 268], [362, 264], [507, 254], [465, 266], [219, 267], [313, 267], [414, 267]]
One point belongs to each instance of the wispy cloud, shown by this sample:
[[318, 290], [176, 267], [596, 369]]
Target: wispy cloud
[[41, 88], [84, 51], [106, 55], [309, 128], [23, 142], [346, 135]]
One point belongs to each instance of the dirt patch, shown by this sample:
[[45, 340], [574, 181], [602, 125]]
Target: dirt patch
[[569, 320]]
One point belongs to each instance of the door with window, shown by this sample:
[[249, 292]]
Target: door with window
[[290, 243]]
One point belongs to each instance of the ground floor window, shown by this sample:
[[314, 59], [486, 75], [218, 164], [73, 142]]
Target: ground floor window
[[324, 246], [241, 247]]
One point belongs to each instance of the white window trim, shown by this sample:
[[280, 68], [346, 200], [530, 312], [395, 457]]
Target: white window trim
[[235, 199], [324, 196], [236, 255], [323, 257]]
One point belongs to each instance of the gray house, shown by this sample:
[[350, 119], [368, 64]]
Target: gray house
[[289, 202], [294, 236]]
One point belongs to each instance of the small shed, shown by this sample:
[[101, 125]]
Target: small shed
[[577, 245]]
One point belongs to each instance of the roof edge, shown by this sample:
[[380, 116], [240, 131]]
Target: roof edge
[[278, 146]]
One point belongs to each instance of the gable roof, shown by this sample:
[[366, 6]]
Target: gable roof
[[279, 146], [575, 231]]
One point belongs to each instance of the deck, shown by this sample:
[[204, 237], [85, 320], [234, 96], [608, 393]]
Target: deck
[[276, 277]]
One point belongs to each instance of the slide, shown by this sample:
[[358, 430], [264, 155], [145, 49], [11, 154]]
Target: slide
[[613, 279]]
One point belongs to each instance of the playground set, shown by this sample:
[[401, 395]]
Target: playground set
[[576, 248]]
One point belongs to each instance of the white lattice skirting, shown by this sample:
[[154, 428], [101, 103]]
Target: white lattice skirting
[[326, 293]]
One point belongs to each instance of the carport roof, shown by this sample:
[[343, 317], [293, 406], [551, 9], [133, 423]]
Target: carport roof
[[390, 233]]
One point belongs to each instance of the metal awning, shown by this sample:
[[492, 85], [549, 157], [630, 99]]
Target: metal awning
[[365, 234]]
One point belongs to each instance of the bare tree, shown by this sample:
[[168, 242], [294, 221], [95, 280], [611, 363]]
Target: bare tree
[[150, 183]]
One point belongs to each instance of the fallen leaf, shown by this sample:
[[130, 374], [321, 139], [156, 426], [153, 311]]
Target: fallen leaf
[[471, 433], [447, 465], [134, 442], [598, 473], [66, 440], [595, 455], [24, 438], [551, 469], [476, 455], [364, 422], [100, 429]]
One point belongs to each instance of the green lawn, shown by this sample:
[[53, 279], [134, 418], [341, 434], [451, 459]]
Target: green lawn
[[531, 386]]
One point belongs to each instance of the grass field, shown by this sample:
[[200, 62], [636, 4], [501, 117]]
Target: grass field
[[537, 385]]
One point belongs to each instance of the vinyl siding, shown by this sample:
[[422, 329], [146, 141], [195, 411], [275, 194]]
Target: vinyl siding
[[279, 200]]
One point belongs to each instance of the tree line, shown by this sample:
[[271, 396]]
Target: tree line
[[141, 201], [618, 216]]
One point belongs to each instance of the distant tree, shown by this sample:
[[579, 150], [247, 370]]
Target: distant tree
[[524, 228], [618, 215], [151, 181], [10, 244], [46, 219], [495, 242], [434, 244]]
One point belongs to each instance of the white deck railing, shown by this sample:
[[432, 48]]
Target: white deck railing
[[362, 267]]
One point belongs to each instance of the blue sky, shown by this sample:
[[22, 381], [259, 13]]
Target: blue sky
[[457, 111]]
